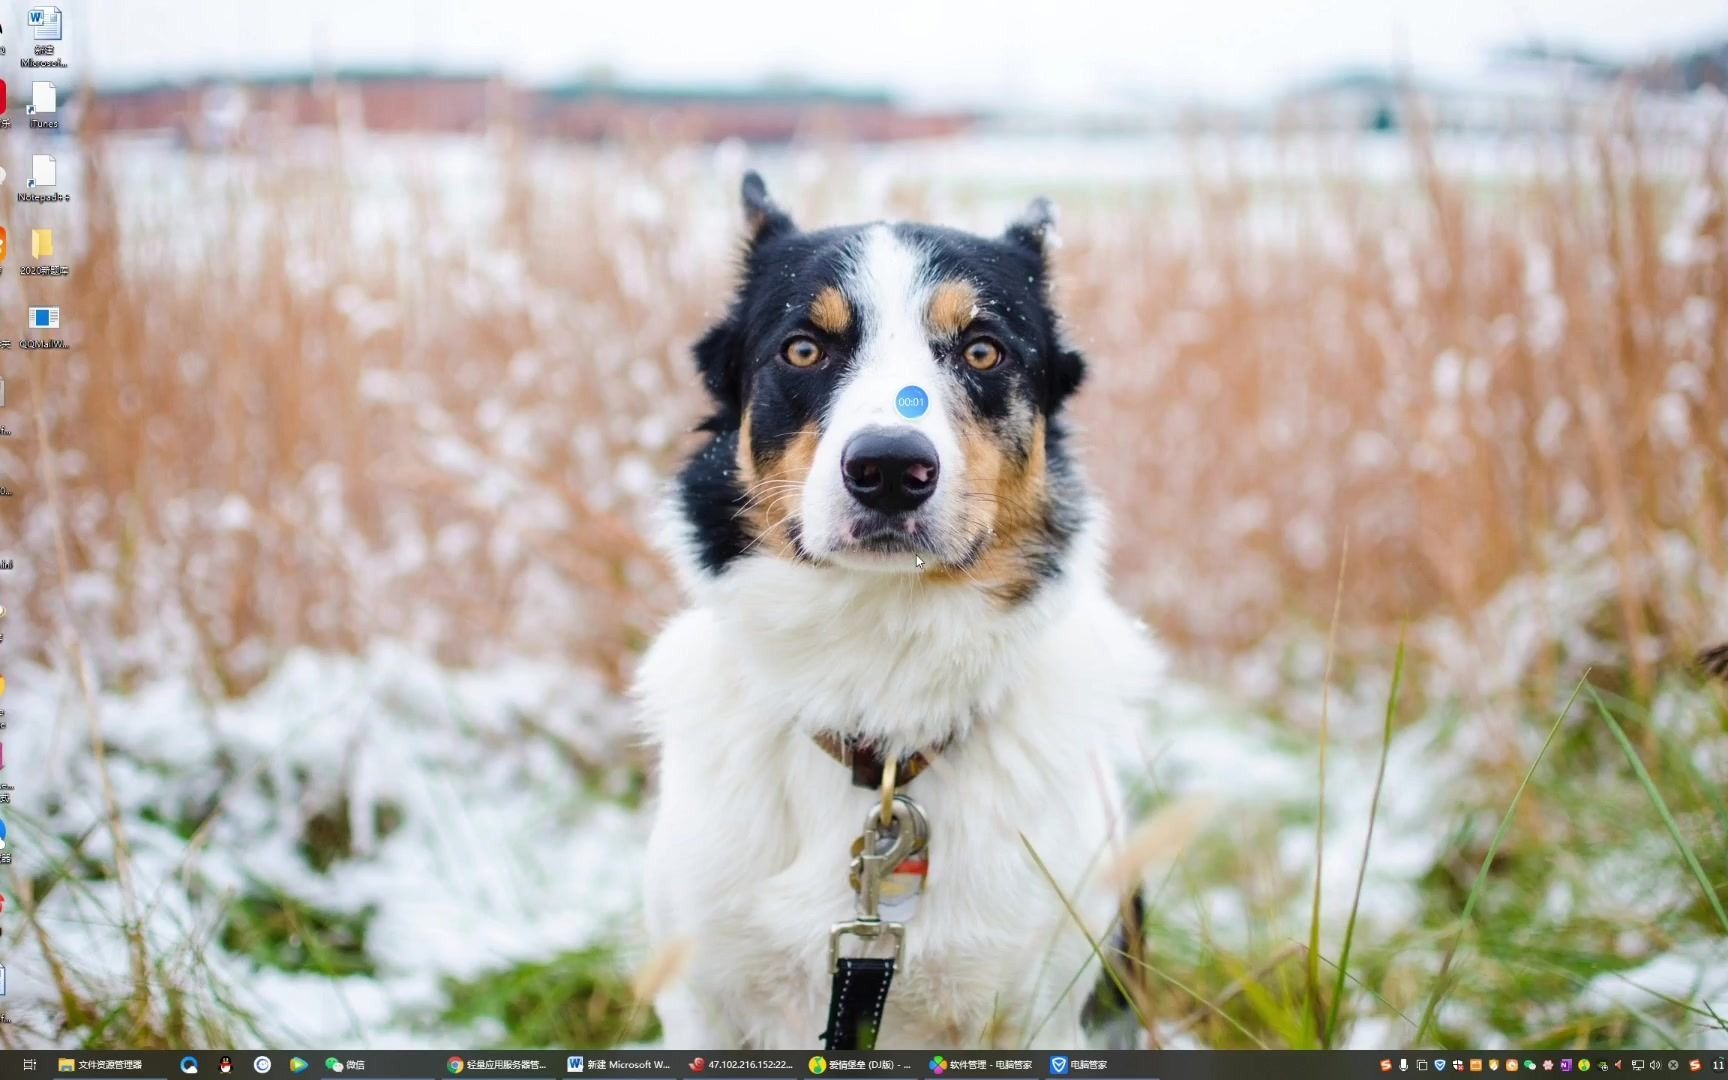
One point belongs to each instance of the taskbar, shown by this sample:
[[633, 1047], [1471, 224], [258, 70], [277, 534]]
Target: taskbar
[[949, 1065]]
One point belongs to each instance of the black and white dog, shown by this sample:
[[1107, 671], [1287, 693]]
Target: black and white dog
[[891, 556]]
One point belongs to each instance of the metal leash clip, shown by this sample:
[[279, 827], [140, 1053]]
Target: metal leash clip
[[878, 853]]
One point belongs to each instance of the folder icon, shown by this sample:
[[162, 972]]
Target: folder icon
[[44, 98], [41, 243], [68, 1065], [42, 170]]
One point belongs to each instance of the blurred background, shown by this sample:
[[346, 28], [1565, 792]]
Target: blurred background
[[1408, 395]]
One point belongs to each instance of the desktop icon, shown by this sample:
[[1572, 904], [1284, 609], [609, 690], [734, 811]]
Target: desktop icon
[[42, 170], [1385, 1064], [225, 1063], [1493, 1064], [1695, 1065], [2, 244], [1565, 1064], [41, 243], [45, 318], [297, 1065], [261, 1064], [698, 1064], [189, 1065], [2, 835], [333, 1064], [575, 1063], [44, 23], [938, 1065], [454, 1066], [818, 1065], [1439, 1064], [1059, 1066], [68, 1065], [1529, 1066], [1511, 1064], [2, 95], [1583, 1064], [1475, 1064], [44, 98]]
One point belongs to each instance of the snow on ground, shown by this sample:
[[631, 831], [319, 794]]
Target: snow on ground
[[487, 828], [477, 841]]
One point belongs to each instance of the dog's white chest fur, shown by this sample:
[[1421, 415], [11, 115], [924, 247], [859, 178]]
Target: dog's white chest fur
[[747, 865]]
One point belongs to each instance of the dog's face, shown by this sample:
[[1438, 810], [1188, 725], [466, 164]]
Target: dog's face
[[888, 397]]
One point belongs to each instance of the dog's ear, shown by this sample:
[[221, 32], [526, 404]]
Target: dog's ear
[[1035, 229], [763, 218], [720, 353], [1034, 232], [720, 361]]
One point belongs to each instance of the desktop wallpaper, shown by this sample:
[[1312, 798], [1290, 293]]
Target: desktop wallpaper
[[328, 550]]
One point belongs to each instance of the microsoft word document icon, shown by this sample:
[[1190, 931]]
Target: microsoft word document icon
[[45, 23], [44, 318]]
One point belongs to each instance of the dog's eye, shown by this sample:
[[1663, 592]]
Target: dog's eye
[[802, 352], [983, 354]]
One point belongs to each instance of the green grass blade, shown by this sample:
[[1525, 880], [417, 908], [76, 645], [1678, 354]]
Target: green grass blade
[[1440, 986], [1313, 965], [1109, 969], [1367, 844], [1661, 805], [1719, 1021]]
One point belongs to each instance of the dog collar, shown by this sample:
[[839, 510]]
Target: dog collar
[[866, 762]]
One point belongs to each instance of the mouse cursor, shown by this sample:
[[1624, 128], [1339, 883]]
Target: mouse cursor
[[918, 561]]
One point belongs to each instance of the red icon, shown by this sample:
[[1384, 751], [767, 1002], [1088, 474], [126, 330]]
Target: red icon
[[1385, 1064], [1694, 1065], [2, 95], [698, 1064]]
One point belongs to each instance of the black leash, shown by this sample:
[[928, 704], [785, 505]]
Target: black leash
[[855, 1003], [858, 993]]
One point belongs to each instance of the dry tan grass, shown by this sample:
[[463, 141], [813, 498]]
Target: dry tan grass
[[298, 440], [1412, 380]]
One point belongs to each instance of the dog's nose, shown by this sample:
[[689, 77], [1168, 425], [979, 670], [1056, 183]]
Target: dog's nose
[[890, 470]]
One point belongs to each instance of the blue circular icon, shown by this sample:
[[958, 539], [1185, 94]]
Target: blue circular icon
[[912, 402], [189, 1064]]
